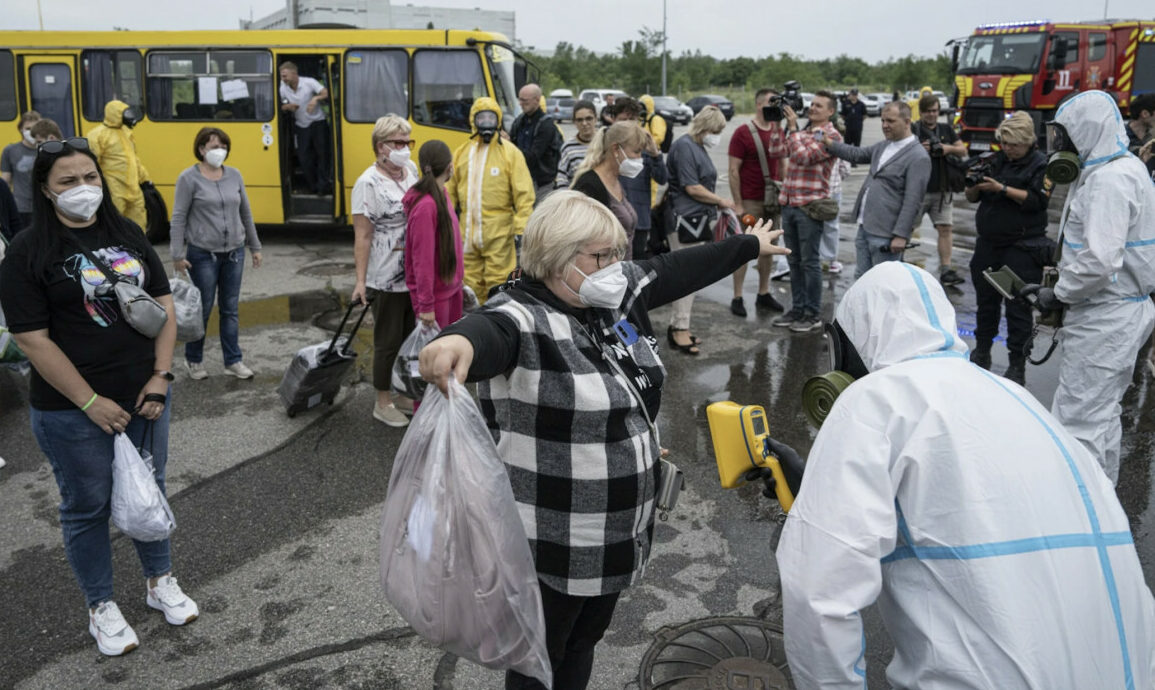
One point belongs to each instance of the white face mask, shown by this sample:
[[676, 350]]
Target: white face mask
[[604, 288], [80, 202], [631, 167], [216, 157], [712, 140], [399, 157], [28, 138]]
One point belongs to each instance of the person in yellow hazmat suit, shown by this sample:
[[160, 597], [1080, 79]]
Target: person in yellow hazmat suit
[[913, 103], [493, 191], [656, 125], [115, 150]]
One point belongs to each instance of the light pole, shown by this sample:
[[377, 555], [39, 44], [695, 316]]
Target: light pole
[[663, 47]]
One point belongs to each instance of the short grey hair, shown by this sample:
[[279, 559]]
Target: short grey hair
[[388, 125], [705, 122], [565, 222], [902, 107]]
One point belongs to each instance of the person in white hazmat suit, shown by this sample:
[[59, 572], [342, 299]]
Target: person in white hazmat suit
[[990, 537], [1106, 273]]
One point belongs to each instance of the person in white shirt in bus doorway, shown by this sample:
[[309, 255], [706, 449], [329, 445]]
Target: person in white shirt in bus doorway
[[302, 96]]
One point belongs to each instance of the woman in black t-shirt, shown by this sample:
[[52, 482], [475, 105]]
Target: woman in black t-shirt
[[93, 375]]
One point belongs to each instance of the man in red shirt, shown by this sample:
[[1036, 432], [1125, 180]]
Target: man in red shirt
[[748, 183]]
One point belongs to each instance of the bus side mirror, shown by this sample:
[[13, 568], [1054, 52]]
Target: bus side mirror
[[954, 51]]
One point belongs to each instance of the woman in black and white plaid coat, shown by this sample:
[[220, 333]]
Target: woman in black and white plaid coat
[[570, 383]]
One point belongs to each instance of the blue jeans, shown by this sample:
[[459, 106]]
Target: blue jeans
[[868, 251], [803, 237], [81, 457], [213, 273]]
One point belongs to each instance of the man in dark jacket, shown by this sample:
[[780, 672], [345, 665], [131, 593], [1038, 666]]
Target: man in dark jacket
[[1011, 222], [538, 138], [853, 113]]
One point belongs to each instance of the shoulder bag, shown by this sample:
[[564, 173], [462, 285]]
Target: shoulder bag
[[141, 311], [770, 205]]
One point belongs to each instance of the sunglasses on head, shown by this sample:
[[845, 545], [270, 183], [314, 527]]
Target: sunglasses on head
[[56, 146]]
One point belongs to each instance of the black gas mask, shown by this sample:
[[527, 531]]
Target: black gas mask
[[131, 116], [846, 367], [486, 123], [1063, 161]]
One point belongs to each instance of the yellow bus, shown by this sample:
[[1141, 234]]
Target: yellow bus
[[184, 80]]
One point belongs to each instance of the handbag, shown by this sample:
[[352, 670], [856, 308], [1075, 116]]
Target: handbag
[[770, 205], [141, 311], [821, 209], [693, 228], [187, 305]]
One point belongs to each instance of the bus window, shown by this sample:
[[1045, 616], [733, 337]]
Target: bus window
[[1144, 69], [445, 84], [51, 91], [7, 87], [107, 76], [376, 83], [211, 85], [1096, 47], [502, 63]]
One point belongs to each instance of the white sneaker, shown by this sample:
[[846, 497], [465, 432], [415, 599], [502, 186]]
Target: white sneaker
[[167, 596], [114, 636], [240, 370], [390, 415], [2, 463], [196, 370], [836, 267]]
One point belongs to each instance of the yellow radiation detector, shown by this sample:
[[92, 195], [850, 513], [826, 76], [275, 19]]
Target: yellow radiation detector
[[740, 436]]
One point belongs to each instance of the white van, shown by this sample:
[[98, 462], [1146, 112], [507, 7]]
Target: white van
[[561, 93]]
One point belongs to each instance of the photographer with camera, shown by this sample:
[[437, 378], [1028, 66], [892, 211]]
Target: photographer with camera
[[1011, 221], [942, 143]]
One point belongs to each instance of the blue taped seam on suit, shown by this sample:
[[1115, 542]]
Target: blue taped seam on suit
[[931, 314]]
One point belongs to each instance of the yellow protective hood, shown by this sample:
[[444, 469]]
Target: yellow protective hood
[[114, 113], [483, 103], [648, 101]]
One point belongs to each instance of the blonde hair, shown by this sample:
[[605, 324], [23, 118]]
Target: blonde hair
[[1019, 128], [624, 134], [558, 229], [387, 126], [705, 122]]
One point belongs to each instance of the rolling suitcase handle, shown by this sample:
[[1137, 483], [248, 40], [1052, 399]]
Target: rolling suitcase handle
[[341, 328]]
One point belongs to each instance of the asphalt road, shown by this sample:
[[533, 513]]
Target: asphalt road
[[278, 518]]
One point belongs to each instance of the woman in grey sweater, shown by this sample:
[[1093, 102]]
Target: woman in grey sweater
[[211, 226]]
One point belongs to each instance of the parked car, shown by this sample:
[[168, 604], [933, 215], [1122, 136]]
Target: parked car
[[673, 110], [561, 93], [872, 103], [807, 99], [724, 104], [560, 109], [598, 97], [944, 104]]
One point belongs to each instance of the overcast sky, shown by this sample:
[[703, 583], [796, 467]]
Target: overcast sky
[[871, 29]]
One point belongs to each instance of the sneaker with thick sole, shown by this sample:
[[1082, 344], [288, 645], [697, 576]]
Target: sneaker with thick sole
[[780, 273], [113, 635], [737, 308], [786, 319], [390, 415], [950, 277], [806, 324], [167, 596], [240, 370], [766, 301], [196, 370], [836, 267]]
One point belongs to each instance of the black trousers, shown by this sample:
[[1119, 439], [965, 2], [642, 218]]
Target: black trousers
[[313, 155], [1019, 318], [853, 136], [573, 626]]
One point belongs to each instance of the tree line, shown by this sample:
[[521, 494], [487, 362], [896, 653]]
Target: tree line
[[636, 67]]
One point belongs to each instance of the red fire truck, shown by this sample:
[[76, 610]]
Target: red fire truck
[[1035, 66]]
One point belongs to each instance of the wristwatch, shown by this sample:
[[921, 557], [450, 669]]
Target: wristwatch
[[166, 375]]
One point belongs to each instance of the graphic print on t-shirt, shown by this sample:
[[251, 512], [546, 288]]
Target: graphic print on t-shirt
[[99, 299]]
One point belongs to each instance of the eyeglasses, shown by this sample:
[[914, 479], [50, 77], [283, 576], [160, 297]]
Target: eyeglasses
[[56, 146], [610, 256], [401, 143], [578, 120]]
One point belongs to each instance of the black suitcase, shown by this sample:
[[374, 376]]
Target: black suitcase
[[316, 372]]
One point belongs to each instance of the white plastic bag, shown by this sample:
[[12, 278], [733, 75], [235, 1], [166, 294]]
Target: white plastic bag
[[455, 561], [186, 302], [139, 508], [405, 379]]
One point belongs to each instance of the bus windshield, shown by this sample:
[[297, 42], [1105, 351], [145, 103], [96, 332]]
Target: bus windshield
[[1002, 54], [503, 64]]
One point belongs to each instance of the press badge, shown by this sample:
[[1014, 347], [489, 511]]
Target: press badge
[[626, 332]]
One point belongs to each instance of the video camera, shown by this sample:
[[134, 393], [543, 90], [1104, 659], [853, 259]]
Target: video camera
[[980, 168], [936, 150], [791, 95]]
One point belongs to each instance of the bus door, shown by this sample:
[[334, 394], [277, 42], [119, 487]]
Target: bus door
[[50, 89], [311, 179]]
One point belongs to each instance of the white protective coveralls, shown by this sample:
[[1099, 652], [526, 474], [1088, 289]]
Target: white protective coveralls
[[1105, 276], [991, 539], [115, 149]]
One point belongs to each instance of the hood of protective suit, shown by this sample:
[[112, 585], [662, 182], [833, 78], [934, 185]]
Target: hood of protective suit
[[114, 113], [897, 312], [483, 103], [1093, 122], [648, 101]]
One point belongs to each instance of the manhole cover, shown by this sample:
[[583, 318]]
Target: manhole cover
[[326, 269], [728, 653]]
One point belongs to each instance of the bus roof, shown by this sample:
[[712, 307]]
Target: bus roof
[[296, 38]]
